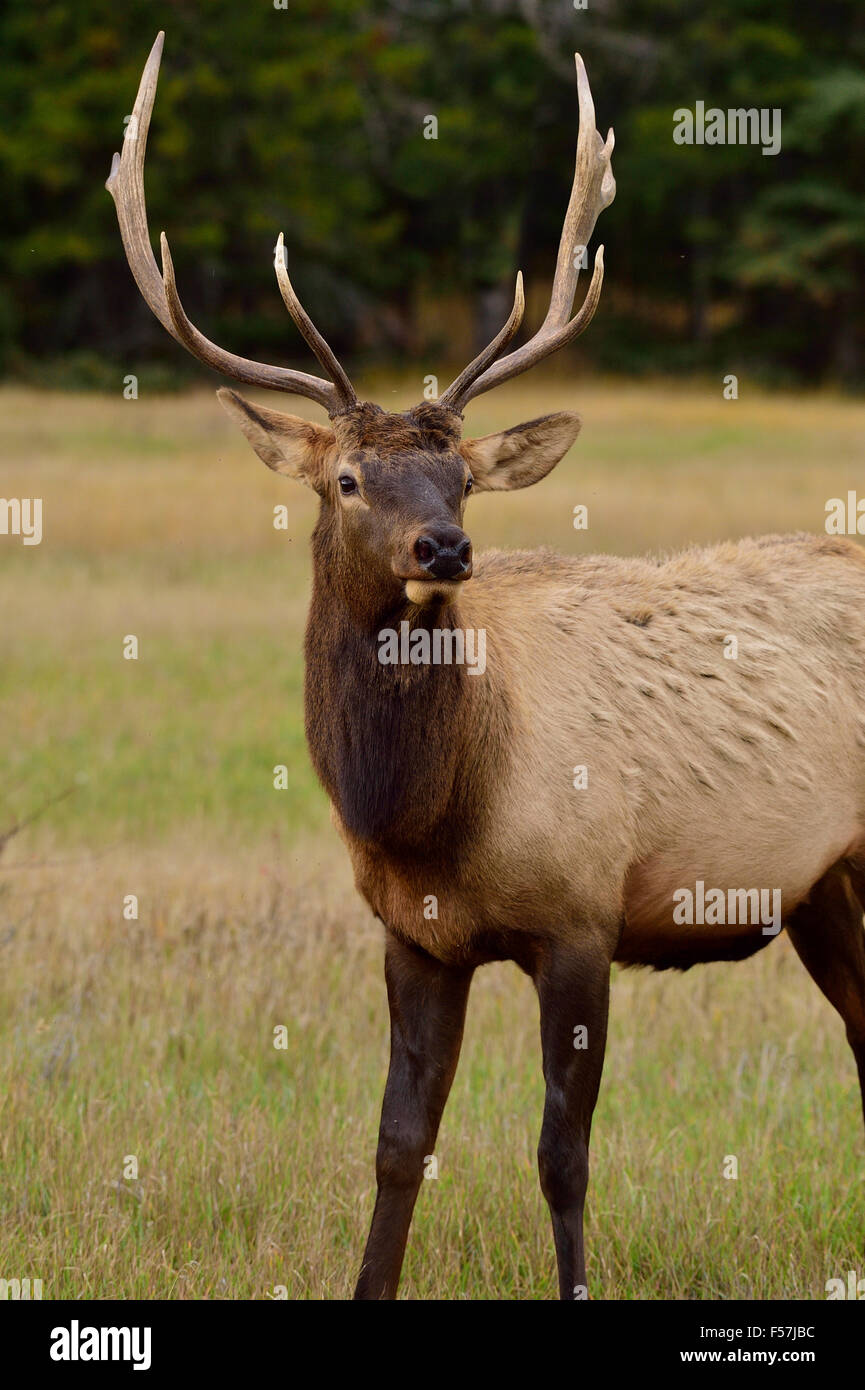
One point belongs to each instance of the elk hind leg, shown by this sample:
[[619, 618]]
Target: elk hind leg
[[829, 937]]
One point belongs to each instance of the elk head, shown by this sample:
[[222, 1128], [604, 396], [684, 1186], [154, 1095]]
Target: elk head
[[392, 486]]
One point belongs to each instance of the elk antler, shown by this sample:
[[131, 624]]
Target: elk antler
[[125, 183], [593, 190]]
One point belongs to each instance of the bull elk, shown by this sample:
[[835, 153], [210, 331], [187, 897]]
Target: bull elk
[[459, 791]]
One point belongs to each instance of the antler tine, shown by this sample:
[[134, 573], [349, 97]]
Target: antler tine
[[240, 368], [457, 389], [125, 183], [594, 188], [319, 345]]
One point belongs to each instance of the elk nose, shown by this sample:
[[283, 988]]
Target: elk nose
[[445, 553]]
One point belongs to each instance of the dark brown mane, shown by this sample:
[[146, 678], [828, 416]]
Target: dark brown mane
[[398, 748]]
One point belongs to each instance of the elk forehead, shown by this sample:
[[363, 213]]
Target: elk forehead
[[414, 454], [367, 429]]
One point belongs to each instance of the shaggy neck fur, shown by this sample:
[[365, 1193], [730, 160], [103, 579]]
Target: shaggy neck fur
[[398, 748]]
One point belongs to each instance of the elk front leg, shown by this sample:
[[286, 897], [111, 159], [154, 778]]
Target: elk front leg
[[427, 1003], [573, 985]]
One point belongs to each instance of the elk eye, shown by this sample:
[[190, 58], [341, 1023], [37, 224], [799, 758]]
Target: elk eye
[[470, 482], [347, 484]]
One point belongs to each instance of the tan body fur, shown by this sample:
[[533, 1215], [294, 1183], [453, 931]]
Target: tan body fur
[[740, 772]]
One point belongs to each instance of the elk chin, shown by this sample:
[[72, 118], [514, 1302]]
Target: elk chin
[[423, 592]]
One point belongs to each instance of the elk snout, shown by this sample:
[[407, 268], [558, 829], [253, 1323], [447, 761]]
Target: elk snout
[[444, 552]]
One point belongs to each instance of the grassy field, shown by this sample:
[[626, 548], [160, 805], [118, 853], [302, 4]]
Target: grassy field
[[152, 1039]]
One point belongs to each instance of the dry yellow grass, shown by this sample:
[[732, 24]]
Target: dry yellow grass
[[153, 1041]]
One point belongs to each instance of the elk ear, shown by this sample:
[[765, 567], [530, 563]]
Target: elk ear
[[287, 444], [521, 456]]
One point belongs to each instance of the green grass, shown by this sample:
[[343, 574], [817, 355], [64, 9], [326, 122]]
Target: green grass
[[154, 1037]]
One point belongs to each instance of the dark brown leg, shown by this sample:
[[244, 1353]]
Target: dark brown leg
[[827, 932], [427, 1010], [573, 984]]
